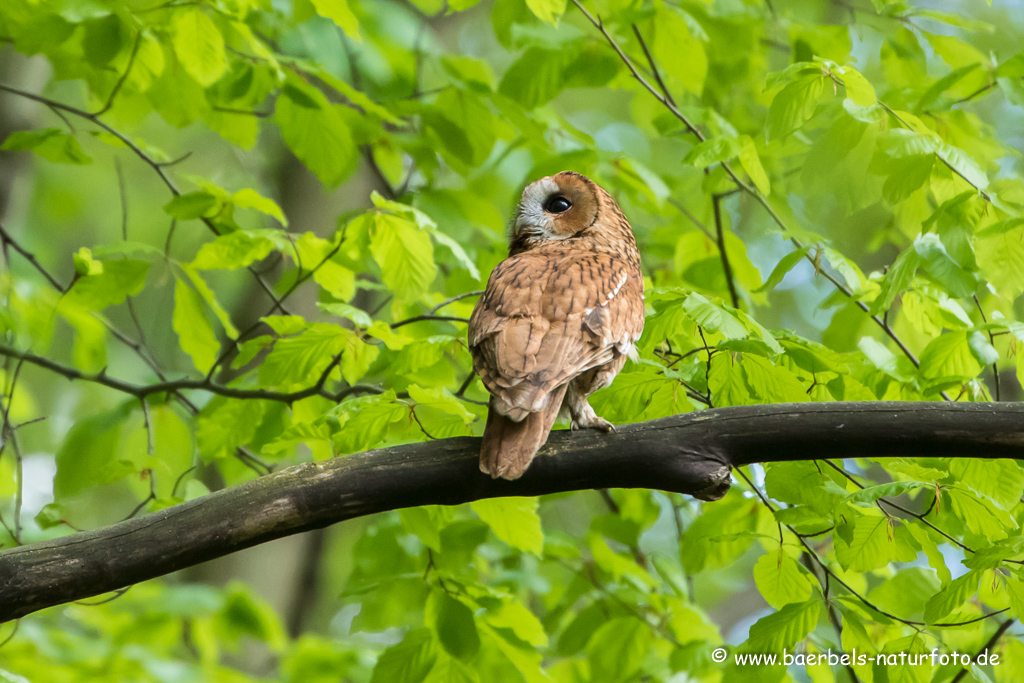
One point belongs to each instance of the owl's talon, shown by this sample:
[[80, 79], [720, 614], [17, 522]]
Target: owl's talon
[[598, 423]]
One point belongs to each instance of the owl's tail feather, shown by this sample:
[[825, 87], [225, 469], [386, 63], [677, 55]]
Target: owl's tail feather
[[508, 447]]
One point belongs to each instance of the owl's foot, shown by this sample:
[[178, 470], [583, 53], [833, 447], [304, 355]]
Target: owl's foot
[[594, 423], [584, 417]]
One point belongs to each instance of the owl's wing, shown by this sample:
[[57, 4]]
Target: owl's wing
[[548, 315]]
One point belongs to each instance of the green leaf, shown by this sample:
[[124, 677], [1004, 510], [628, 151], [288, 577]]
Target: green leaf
[[316, 436], [50, 516], [232, 251], [786, 264], [678, 49], [981, 515], [407, 662], [85, 264], [858, 88], [425, 522], [869, 541], [454, 624], [1001, 259], [405, 255], [448, 669], [210, 298], [199, 45], [779, 579], [195, 334], [339, 12], [226, 424], [714, 150], [547, 10], [619, 566], [50, 143], [525, 663], [942, 85], [897, 280], [793, 105], [982, 348], [783, 629], [285, 325], [458, 252], [357, 316], [949, 355], [192, 205], [618, 648], [513, 520], [1001, 480], [338, 280], [751, 163], [365, 421], [299, 361], [440, 398], [245, 614], [1015, 593], [963, 165], [104, 38], [713, 317], [247, 198], [519, 620], [118, 280], [315, 131], [535, 78], [88, 456], [894, 488], [951, 597]]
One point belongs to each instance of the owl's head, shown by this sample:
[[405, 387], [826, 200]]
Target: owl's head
[[555, 208]]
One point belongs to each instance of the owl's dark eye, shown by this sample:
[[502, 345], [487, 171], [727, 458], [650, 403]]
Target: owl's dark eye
[[557, 204]]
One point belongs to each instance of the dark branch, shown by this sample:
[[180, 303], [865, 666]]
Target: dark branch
[[141, 391], [689, 453], [716, 201]]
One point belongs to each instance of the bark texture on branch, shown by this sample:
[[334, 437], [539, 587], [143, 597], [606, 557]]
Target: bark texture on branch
[[691, 454]]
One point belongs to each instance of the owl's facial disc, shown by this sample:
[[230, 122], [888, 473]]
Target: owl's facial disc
[[556, 208]]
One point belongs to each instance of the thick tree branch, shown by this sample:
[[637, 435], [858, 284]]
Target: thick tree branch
[[690, 453]]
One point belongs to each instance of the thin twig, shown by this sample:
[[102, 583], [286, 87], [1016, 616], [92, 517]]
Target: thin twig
[[420, 318], [148, 472], [7, 433], [7, 240], [13, 633], [1003, 627], [143, 390], [124, 198], [118, 593], [120, 81], [653, 65], [992, 340], [149, 426], [181, 478], [716, 201], [457, 297]]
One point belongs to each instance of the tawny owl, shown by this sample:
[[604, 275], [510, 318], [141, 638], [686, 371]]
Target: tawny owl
[[558, 319]]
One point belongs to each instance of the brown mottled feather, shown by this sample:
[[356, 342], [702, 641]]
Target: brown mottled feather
[[557, 308]]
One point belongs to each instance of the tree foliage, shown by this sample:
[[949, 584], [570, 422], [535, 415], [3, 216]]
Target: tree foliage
[[251, 232]]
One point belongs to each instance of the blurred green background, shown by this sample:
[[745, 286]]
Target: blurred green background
[[363, 159]]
